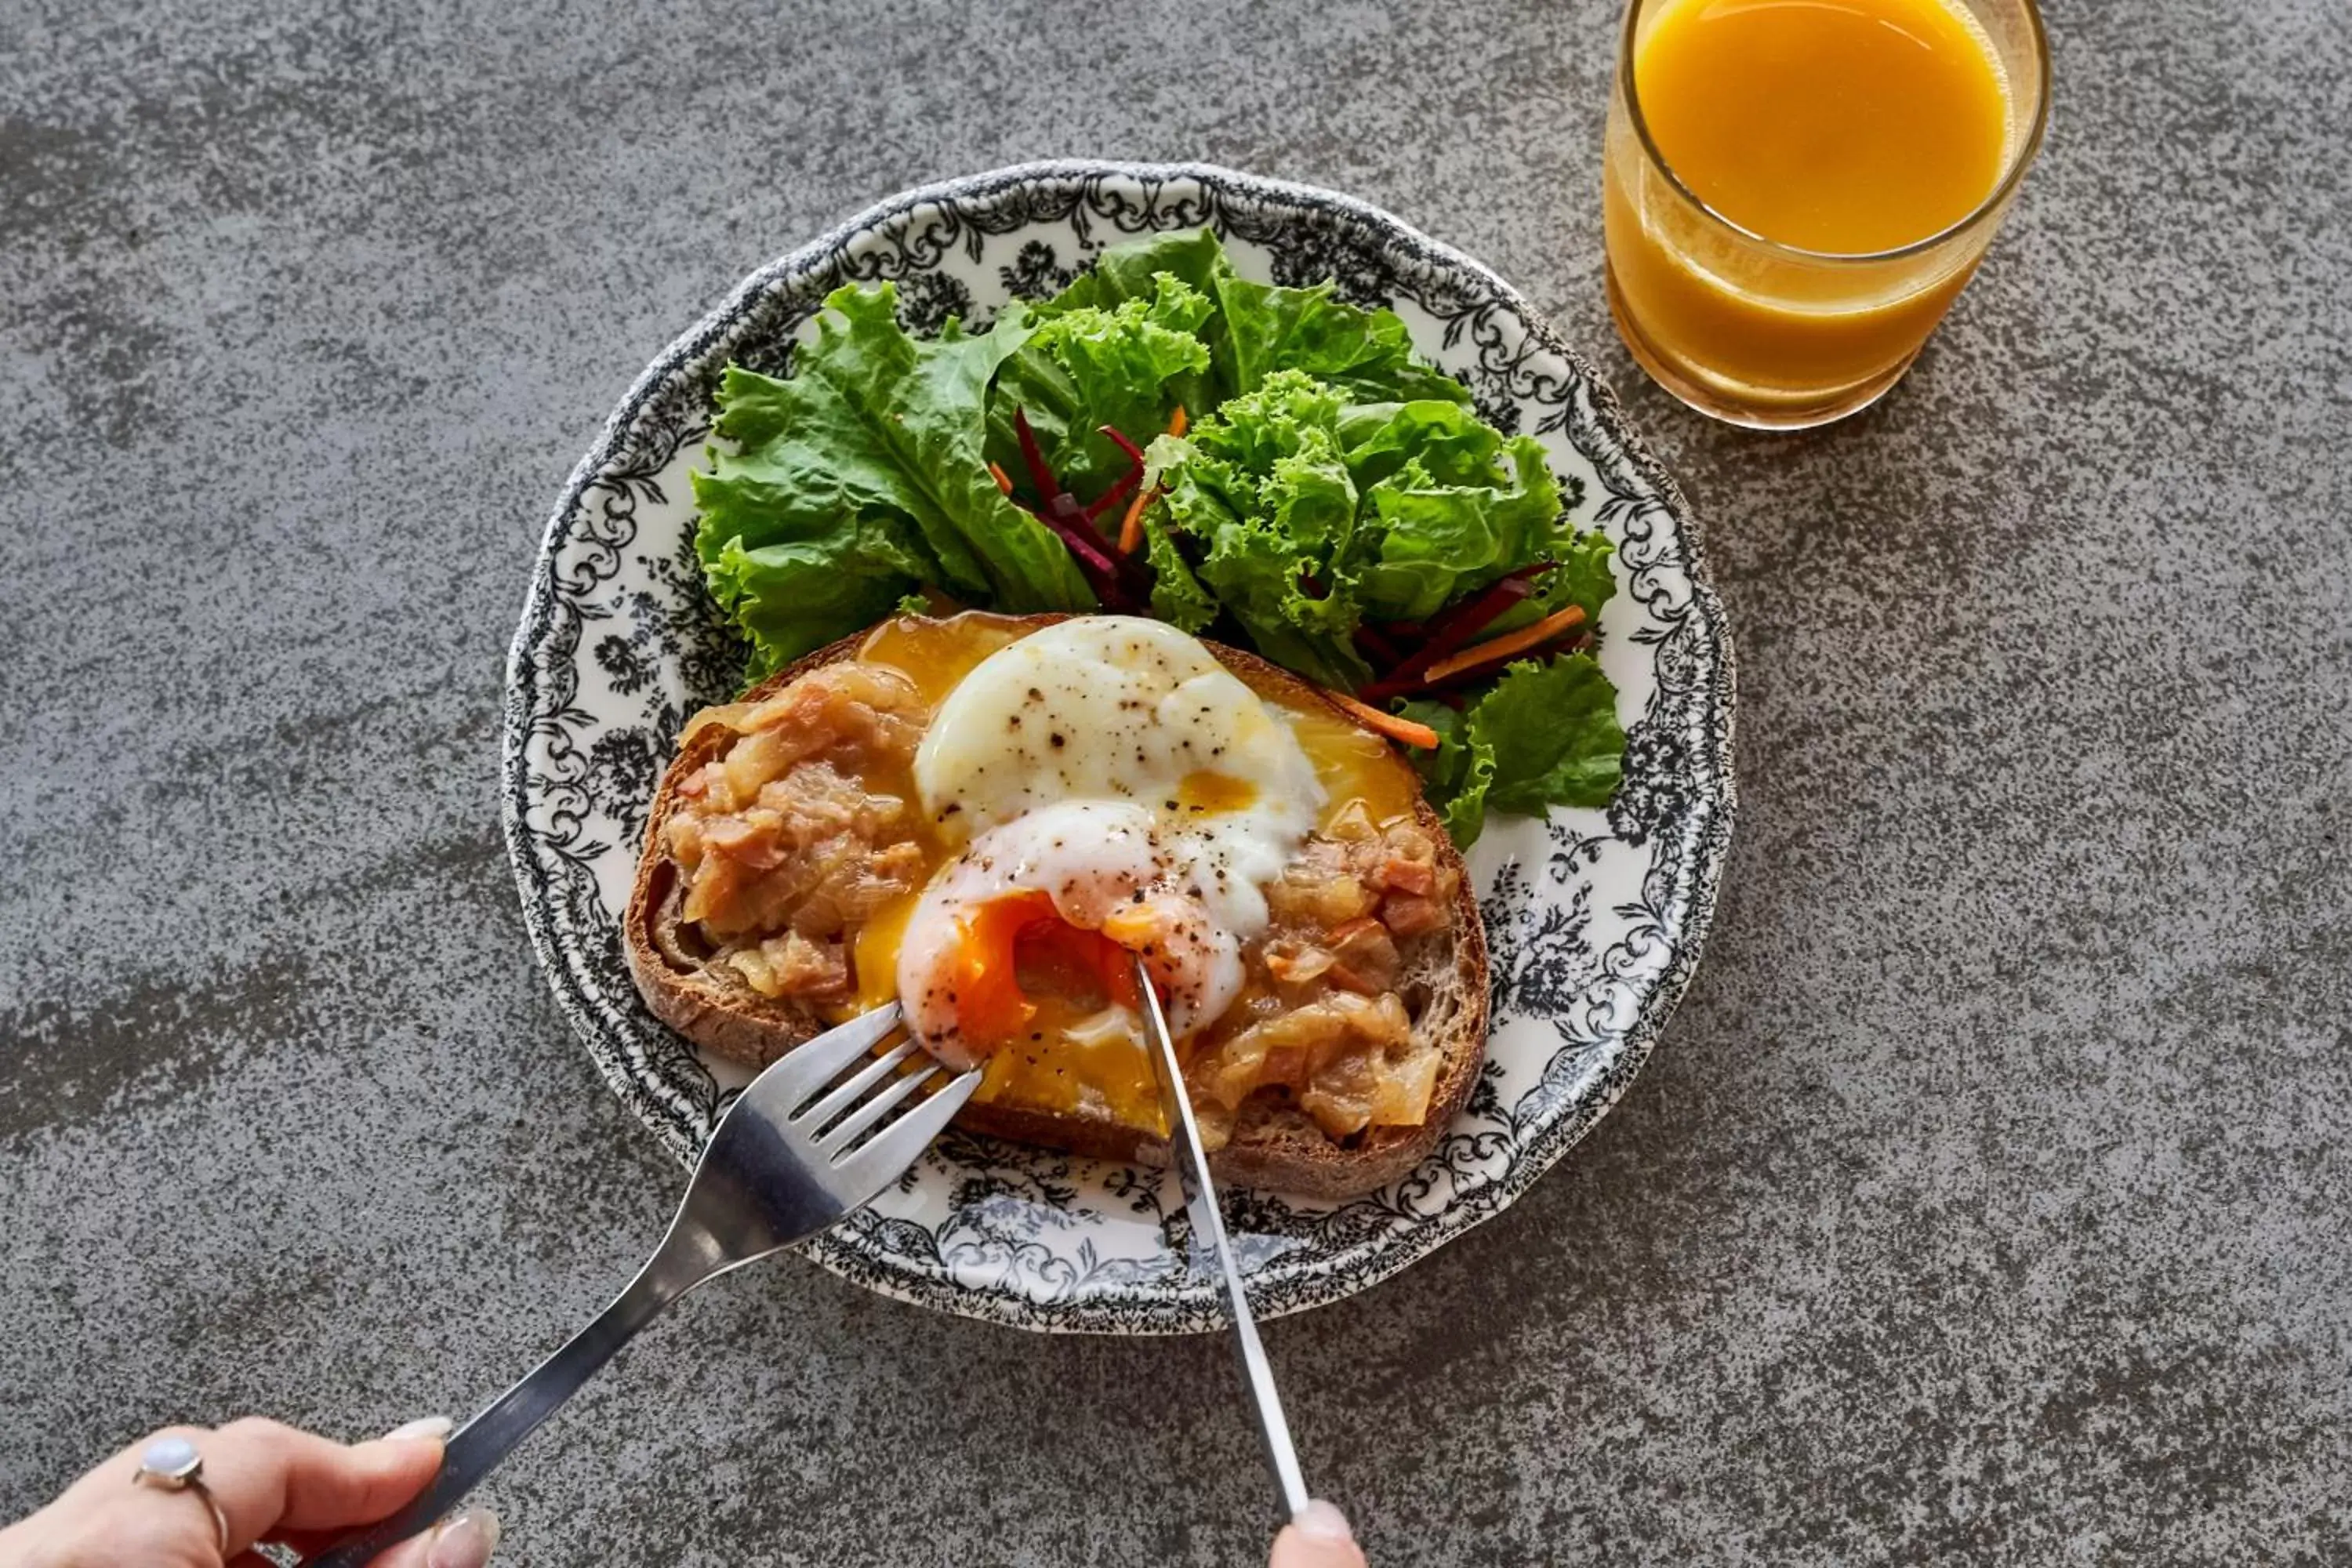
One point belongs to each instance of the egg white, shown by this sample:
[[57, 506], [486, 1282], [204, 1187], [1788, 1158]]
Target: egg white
[[1116, 708]]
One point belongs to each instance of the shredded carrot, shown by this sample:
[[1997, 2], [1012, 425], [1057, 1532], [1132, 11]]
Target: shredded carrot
[[1178, 421], [1503, 647], [1403, 731], [1130, 527], [1003, 480]]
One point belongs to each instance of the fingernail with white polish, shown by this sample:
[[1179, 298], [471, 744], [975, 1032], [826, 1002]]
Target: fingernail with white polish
[[422, 1427], [464, 1541], [1318, 1521]]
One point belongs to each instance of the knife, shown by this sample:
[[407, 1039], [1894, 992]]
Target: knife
[[1192, 1164]]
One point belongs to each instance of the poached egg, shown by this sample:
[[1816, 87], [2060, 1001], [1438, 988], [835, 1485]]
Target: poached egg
[[1111, 790]]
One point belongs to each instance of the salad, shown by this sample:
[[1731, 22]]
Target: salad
[[1267, 466]]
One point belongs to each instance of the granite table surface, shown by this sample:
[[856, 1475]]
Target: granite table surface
[[1986, 1202]]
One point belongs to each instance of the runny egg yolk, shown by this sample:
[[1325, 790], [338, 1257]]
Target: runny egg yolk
[[1012, 946], [1203, 792]]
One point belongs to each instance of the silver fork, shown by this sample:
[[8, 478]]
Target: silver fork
[[788, 1159]]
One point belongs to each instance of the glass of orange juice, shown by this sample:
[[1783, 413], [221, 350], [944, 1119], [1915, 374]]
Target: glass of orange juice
[[1795, 190]]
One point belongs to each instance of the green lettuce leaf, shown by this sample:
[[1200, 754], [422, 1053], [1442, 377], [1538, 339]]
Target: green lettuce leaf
[[869, 461], [1457, 774], [1554, 734], [1441, 517], [1257, 329], [1452, 444], [1177, 597], [1262, 493], [1262, 328], [1545, 734], [795, 595], [1304, 514], [1132, 271]]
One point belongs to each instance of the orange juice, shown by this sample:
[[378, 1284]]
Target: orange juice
[[1774, 170]]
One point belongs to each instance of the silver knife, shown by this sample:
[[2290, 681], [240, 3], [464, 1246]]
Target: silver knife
[[1192, 1164]]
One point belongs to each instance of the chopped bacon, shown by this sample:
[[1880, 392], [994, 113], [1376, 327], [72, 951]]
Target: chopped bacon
[[1410, 876], [1369, 952], [1410, 863], [1409, 916]]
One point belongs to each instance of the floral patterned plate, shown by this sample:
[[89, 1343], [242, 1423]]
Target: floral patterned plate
[[1595, 917]]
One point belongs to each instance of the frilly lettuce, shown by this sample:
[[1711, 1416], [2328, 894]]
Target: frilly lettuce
[[1307, 515]]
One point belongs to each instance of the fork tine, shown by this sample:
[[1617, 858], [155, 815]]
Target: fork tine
[[848, 1091], [833, 1141], [897, 1146], [807, 1068]]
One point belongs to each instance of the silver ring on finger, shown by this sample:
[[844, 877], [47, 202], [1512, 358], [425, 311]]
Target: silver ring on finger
[[173, 1465]]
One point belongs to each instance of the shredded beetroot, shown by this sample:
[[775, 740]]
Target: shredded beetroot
[[1456, 626], [1121, 581], [1453, 630], [1376, 647], [1084, 543], [1040, 475], [1118, 493], [1134, 452]]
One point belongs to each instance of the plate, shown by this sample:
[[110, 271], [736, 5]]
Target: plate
[[1595, 917]]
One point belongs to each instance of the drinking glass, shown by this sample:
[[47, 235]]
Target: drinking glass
[[1771, 335]]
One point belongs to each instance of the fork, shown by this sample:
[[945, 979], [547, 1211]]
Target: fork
[[791, 1157]]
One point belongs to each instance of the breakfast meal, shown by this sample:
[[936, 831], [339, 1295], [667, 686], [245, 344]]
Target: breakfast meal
[[987, 816], [1176, 617]]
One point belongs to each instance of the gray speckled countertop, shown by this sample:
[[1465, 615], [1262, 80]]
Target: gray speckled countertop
[[1987, 1201]]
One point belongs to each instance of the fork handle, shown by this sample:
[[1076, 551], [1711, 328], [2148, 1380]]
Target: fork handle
[[475, 1449]]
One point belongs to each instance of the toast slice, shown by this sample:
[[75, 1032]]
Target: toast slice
[[1274, 1145]]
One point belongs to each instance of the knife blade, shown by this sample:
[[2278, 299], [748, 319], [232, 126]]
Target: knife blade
[[1191, 1163]]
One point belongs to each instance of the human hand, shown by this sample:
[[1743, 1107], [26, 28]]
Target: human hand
[[1318, 1538], [260, 1482]]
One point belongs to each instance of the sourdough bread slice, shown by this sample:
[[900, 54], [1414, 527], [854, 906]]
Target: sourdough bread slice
[[1274, 1145]]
